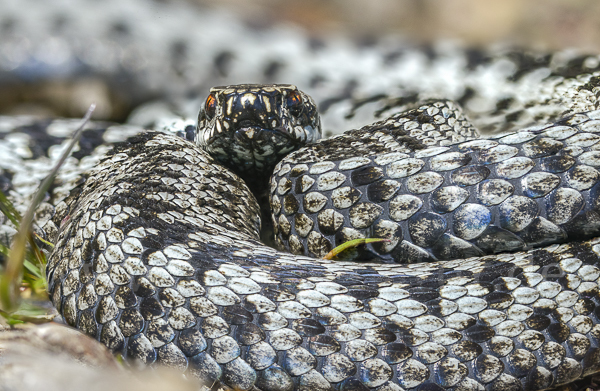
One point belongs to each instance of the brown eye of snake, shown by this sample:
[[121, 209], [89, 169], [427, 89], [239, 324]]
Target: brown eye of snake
[[210, 106], [294, 103]]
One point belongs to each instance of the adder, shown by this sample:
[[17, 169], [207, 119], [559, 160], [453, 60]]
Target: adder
[[157, 252]]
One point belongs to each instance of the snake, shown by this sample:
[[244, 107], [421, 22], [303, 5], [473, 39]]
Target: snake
[[488, 277]]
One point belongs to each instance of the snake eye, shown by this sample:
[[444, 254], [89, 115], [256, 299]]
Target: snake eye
[[294, 103], [210, 107]]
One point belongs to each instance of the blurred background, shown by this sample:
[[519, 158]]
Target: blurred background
[[58, 56], [547, 24]]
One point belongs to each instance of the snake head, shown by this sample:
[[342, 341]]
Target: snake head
[[251, 127]]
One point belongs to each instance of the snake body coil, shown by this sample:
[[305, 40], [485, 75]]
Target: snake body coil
[[158, 255], [158, 258]]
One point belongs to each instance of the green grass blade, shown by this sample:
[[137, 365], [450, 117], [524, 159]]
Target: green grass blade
[[7, 208], [10, 280], [4, 250], [351, 244], [31, 268]]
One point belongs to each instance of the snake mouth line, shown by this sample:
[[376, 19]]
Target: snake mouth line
[[259, 138], [258, 132]]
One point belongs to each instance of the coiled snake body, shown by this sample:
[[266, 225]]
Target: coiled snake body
[[158, 258], [157, 255]]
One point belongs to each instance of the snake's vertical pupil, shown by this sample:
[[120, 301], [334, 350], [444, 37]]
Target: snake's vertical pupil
[[294, 103], [210, 106]]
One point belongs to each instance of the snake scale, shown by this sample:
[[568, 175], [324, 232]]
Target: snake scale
[[157, 247]]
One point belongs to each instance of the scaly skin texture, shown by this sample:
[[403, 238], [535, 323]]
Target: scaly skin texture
[[525, 320], [508, 193], [149, 262]]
